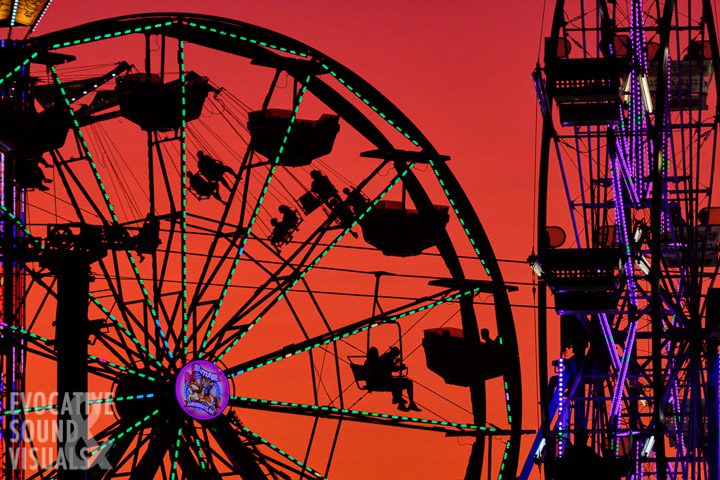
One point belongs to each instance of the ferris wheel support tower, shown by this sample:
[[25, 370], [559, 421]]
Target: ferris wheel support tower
[[625, 93]]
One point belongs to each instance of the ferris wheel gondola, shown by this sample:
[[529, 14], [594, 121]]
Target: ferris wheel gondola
[[628, 94]]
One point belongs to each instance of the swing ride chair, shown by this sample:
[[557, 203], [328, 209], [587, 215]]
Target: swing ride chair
[[282, 235]]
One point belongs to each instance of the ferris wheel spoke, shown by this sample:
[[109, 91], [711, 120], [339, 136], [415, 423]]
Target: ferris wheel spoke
[[118, 347], [197, 456], [218, 232], [335, 354], [183, 207], [107, 364], [263, 295], [89, 157], [47, 351], [116, 454], [119, 439], [50, 292], [265, 291], [151, 459], [298, 274], [194, 468], [74, 188], [240, 455], [363, 416], [129, 318], [254, 437], [390, 316], [297, 100], [175, 452], [121, 454]]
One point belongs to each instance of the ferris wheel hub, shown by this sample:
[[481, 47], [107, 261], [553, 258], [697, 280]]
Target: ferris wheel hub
[[202, 390]]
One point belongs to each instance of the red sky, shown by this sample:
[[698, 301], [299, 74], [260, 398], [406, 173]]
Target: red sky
[[460, 71]]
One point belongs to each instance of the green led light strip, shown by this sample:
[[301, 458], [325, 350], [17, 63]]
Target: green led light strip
[[183, 195], [200, 455], [24, 332], [17, 68], [345, 334], [363, 414], [458, 214], [473, 242], [253, 217], [89, 402], [243, 38], [117, 33], [110, 207], [112, 318], [175, 455], [120, 435], [317, 260], [121, 368], [124, 329], [416, 143], [504, 460], [282, 452], [367, 102], [20, 225], [45, 340]]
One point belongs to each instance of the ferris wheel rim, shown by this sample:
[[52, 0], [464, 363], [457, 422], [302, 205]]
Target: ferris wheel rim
[[399, 120]]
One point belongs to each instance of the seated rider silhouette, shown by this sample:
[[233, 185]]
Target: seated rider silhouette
[[379, 376], [323, 188], [289, 217], [148, 237], [485, 336], [203, 187], [213, 170], [282, 229], [356, 200]]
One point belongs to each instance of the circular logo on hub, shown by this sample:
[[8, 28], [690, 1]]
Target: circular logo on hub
[[202, 390]]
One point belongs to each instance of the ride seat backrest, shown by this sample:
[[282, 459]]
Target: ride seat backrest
[[358, 371], [361, 380]]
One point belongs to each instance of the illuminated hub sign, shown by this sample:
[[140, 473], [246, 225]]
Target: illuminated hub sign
[[202, 390]]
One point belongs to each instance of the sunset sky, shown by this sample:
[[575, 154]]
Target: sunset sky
[[460, 71]]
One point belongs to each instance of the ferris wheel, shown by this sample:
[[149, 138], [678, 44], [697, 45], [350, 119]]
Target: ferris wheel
[[210, 235], [628, 241]]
